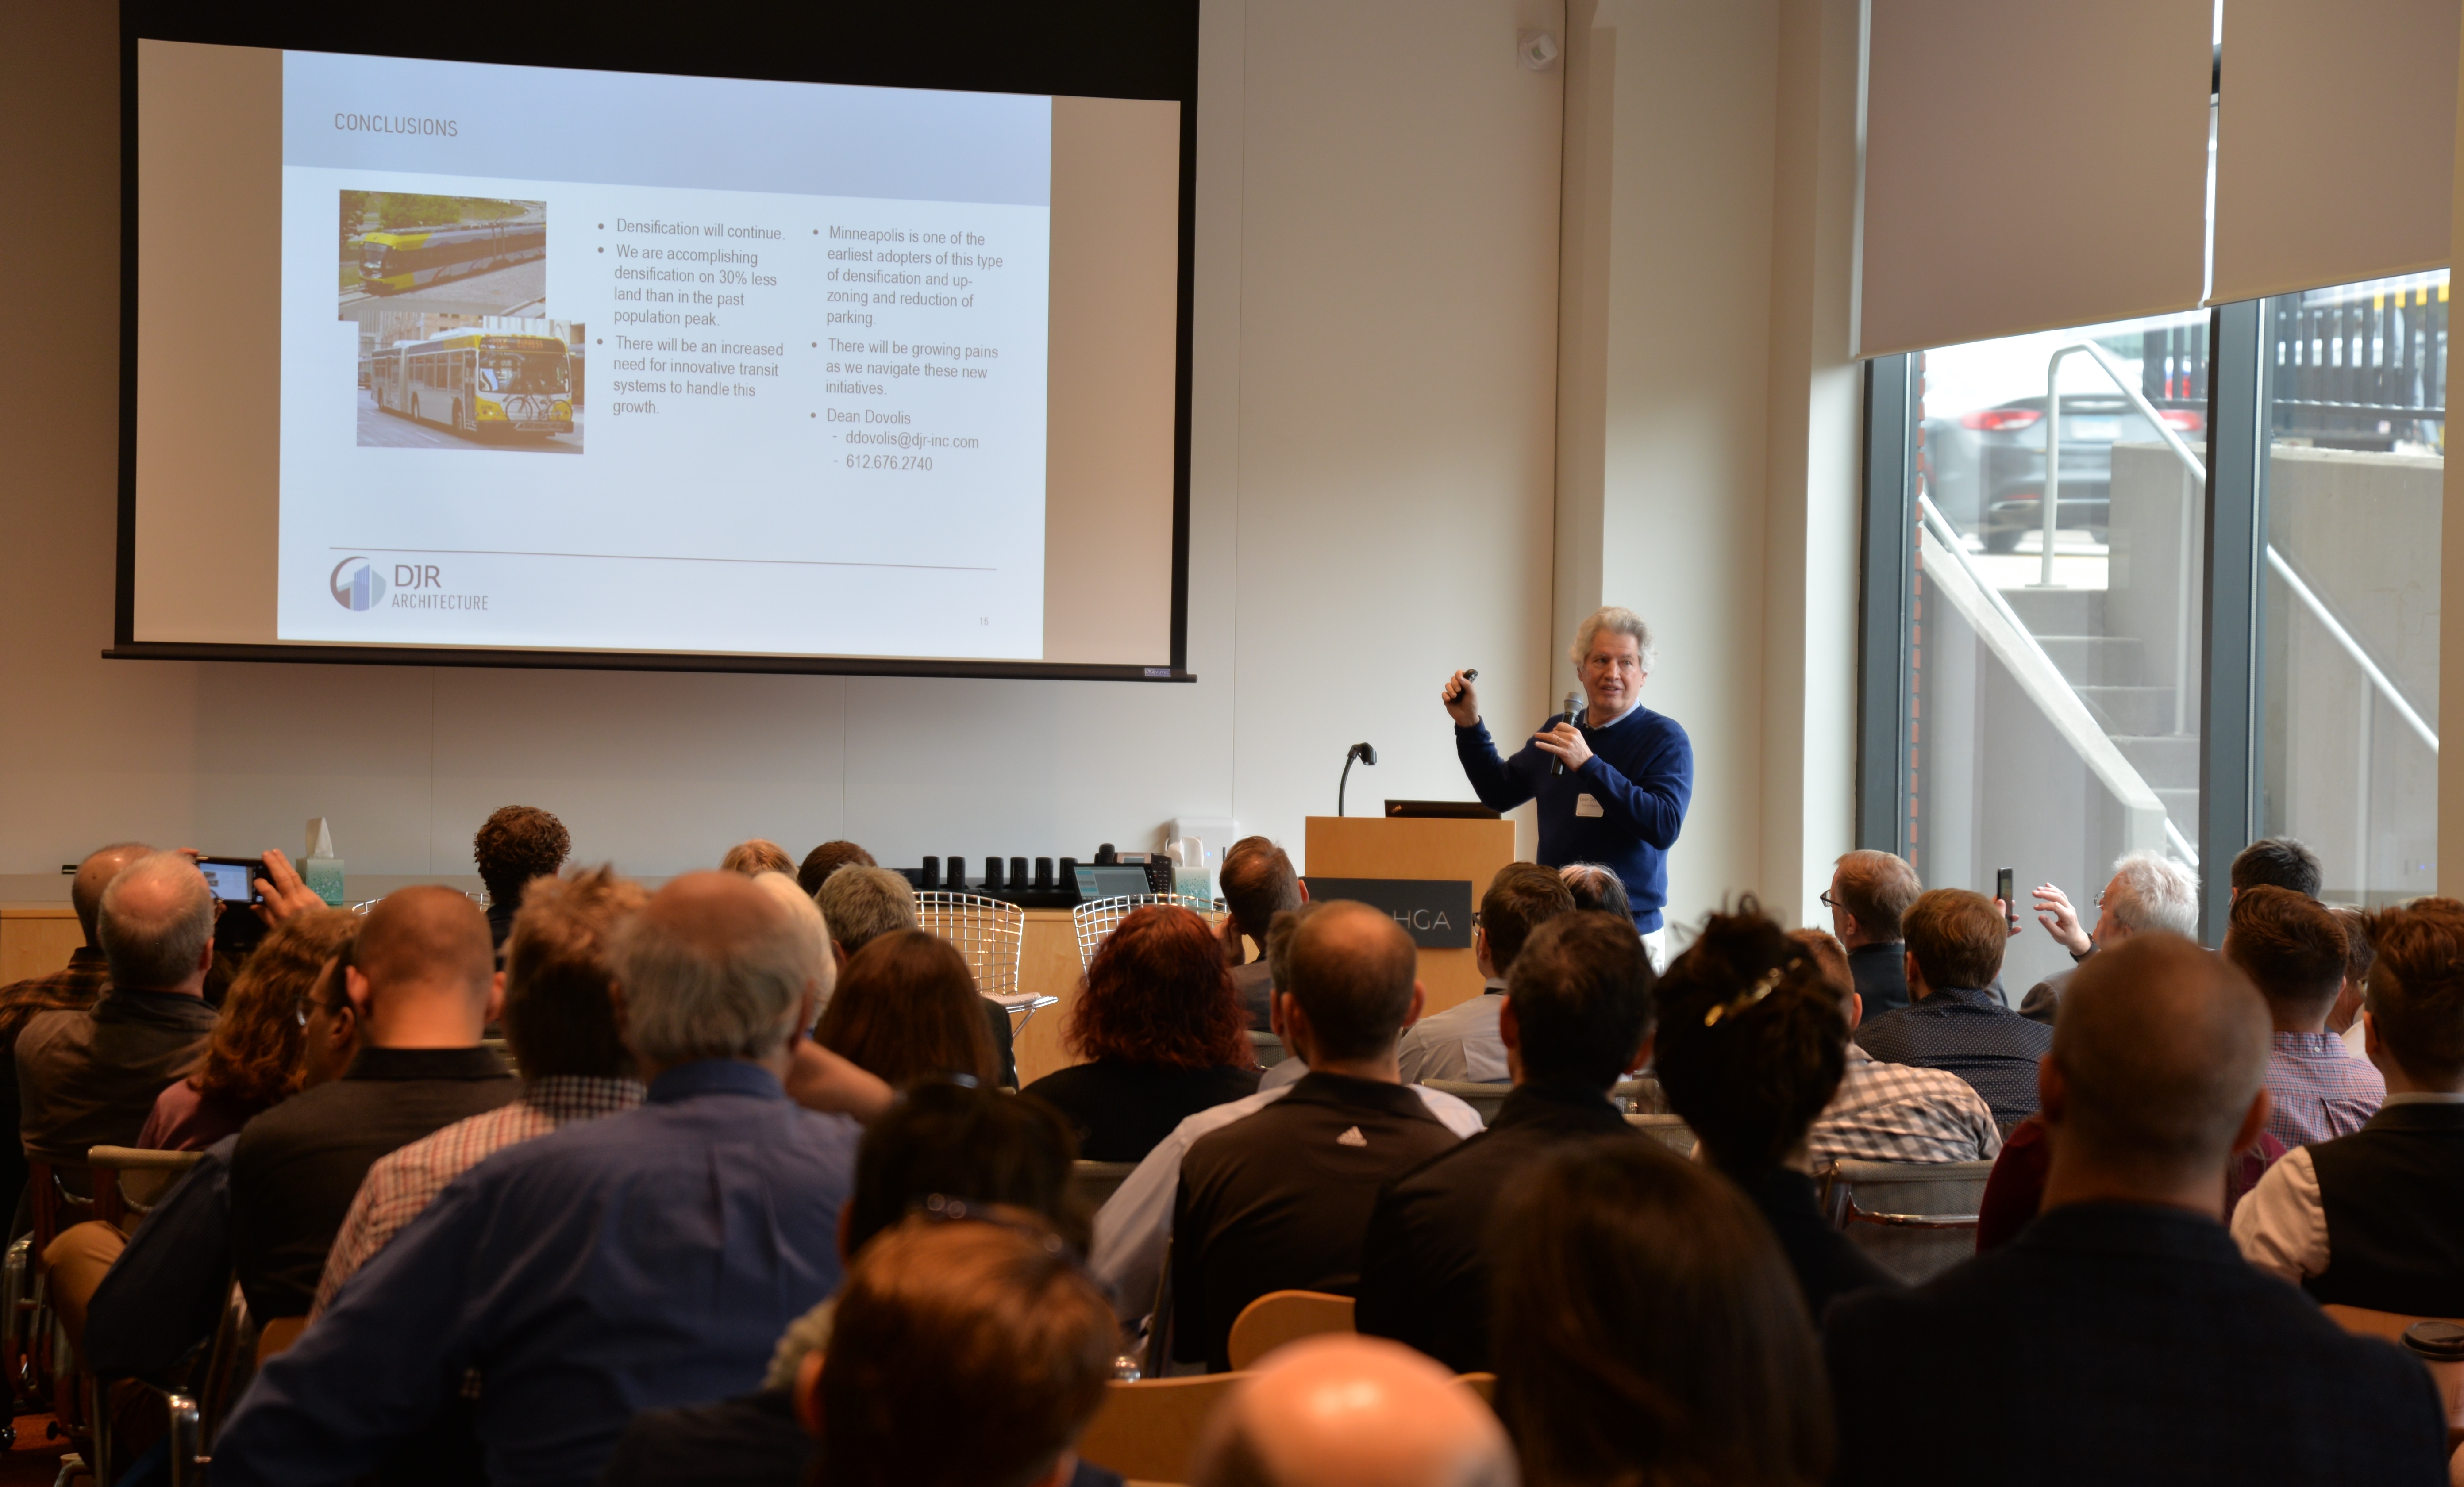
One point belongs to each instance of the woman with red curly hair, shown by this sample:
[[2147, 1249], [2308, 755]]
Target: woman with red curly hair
[[1163, 1034]]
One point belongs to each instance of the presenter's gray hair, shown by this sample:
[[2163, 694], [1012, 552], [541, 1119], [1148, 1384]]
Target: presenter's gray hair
[[1617, 622], [2152, 892], [152, 946], [684, 1001]]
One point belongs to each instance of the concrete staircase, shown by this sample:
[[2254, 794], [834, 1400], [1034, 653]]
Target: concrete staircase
[[2109, 673]]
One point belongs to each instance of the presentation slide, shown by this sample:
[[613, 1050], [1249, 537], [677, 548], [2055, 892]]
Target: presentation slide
[[586, 360]]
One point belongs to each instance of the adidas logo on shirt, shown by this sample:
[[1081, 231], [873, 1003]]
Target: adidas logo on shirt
[[1351, 1137]]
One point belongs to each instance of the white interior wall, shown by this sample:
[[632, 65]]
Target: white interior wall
[[1371, 473]]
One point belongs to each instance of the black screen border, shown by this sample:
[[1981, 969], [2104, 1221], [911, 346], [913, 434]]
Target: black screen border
[[1129, 48]]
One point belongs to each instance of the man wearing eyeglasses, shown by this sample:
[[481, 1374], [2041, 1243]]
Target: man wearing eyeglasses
[[1613, 784]]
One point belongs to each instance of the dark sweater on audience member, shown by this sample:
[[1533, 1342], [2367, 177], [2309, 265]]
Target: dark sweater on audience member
[[753, 1440], [1424, 1261], [298, 1165], [2121, 1344], [1640, 778], [1121, 1110], [1882, 976], [1826, 1263]]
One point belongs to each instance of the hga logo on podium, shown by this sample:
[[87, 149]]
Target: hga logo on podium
[[356, 584]]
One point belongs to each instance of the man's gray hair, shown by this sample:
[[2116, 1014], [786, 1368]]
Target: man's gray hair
[[1617, 622], [801, 907], [863, 904], [683, 1002], [158, 940], [2152, 892]]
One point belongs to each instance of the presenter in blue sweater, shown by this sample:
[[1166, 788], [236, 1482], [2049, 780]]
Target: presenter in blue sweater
[[1629, 771]]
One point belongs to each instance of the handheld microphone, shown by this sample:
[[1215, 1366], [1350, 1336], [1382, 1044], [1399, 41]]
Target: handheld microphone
[[1573, 704]]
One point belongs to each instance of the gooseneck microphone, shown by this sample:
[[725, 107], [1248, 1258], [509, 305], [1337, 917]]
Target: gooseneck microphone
[[1573, 703], [1367, 755]]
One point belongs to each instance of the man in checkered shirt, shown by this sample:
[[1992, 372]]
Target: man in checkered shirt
[[562, 1028], [1894, 1112]]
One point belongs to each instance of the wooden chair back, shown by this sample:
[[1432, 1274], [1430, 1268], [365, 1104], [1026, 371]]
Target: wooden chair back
[[1482, 1096], [2390, 1325], [276, 1336], [1916, 1219], [1146, 1429], [1281, 1317]]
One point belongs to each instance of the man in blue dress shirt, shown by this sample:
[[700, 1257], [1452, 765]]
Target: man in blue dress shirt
[[1628, 771], [642, 1259]]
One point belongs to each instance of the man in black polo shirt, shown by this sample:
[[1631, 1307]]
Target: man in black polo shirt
[[1577, 1016], [1955, 1020], [1279, 1200]]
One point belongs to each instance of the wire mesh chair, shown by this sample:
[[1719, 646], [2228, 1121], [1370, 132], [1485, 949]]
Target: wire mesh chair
[[991, 935], [1097, 918]]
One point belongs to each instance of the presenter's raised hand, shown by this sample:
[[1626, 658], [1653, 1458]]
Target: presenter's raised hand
[[1462, 704], [1566, 742]]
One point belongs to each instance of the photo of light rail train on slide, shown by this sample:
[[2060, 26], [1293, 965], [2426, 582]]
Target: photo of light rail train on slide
[[483, 253]]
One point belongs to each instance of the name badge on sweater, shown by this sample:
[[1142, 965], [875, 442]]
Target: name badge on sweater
[[1587, 804]]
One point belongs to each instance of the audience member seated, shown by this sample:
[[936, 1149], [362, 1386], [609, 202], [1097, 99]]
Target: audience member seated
[[1462, 1042], [963, 1355], [422, 980], [1870, 894], [1751, 1045], [1954, 1021], [1279, 941], [1161, 1027], [89, 1077], [2148, 891], [1576, 1017], [517, 844], [559, 1022], [1891, 1113], [164, 1292], [2277, 862], [1648, 1330], [905, 1009], [638, 1260], [255, 1057], [1352, 1412], [2376, 1219], [2294, 950], [1596, 890], [73, 988], [1273, 1191], [756, 857], [943, 1147], [2121, 1338], [1258, 883], [864, 903], [827, 859], [2345, 1019]]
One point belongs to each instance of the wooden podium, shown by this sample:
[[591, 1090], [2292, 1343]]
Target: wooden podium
[[1378, 846]]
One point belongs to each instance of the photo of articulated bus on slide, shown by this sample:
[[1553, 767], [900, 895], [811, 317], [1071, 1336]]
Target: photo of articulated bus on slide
[[482, 253], [446, 380]]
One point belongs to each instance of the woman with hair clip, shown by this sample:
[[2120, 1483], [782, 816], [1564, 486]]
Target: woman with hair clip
[[1751, 1046]]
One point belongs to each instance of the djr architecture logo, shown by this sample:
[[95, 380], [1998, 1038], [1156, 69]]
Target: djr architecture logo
[[357, 584]]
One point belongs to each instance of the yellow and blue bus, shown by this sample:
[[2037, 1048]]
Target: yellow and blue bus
[[393, 259], [480, 382]]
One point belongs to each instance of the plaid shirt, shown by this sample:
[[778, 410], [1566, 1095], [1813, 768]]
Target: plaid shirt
[[2317, 1090], [1898, 1112], [73, 988], [402, 1183]]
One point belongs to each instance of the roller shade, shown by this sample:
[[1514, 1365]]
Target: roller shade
[[2335, 143], [2031, 165]]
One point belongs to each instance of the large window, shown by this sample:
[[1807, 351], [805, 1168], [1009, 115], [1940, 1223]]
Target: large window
[[2082, 641], [2355, 387]]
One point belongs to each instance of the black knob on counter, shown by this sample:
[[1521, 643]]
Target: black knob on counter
[[1043, 874], [992, 875], [1104, 856], [932, 873], [957, 875], [1017, 872], [1068, 874]]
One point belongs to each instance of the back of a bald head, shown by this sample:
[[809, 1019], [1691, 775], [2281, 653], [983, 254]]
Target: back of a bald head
[[94, 875], [2163, 1047], [427, 937], [1352, 968], [1344, 1411]]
